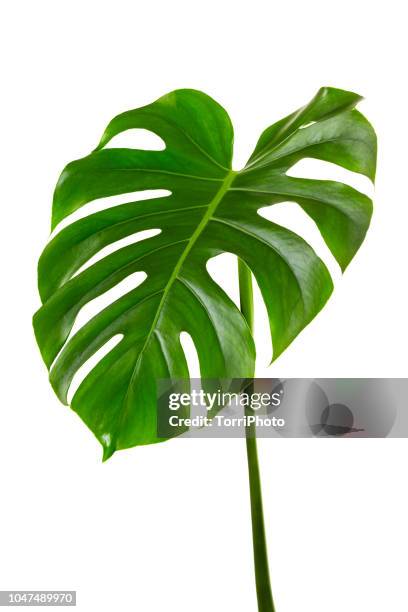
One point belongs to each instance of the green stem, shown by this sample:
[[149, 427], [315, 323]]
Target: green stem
[[263, 585]]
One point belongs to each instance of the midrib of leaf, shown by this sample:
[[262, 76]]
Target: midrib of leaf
[[193, 239]]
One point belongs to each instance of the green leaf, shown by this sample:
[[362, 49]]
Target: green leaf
[[212, 209]]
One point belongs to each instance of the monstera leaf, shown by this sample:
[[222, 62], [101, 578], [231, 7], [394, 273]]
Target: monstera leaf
[[212, 209]]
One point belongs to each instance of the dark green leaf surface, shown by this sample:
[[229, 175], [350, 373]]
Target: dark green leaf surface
[[212, 209]]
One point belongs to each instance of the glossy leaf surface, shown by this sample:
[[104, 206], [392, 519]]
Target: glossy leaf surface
[[212, 209]]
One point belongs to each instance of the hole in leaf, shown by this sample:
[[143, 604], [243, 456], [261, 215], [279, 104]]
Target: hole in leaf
[[223, 269], [110, 201], [261, 334], [191, 354], [89, 365], [115, 246], [137, 138], [96, 305], [291, 216], [326, 171]]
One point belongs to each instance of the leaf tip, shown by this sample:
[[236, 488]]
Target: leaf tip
[[107, 453], [351, 96], [108, 446]]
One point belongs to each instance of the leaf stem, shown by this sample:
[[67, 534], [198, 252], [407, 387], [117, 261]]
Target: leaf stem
[[263, 585]]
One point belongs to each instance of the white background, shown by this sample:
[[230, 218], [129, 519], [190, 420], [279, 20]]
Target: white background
[[167, 527]]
